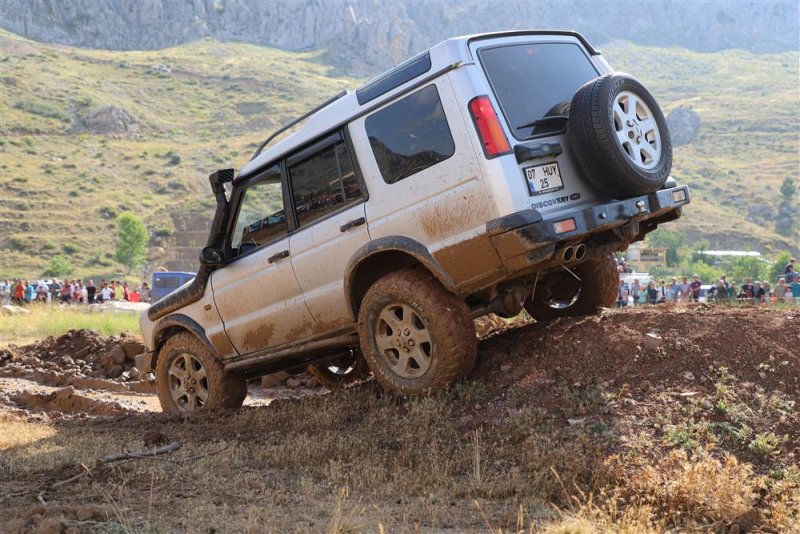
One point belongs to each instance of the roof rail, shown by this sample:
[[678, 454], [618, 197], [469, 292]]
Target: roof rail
[[295, 121]]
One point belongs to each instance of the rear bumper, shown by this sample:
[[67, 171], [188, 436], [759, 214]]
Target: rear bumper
[[525, 238]]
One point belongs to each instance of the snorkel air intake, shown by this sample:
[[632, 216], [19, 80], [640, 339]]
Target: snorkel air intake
[[216, 236]]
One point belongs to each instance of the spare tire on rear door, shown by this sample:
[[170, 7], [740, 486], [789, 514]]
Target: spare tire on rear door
[[619, 136]]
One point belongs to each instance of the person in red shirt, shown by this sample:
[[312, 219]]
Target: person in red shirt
[[19, 293]]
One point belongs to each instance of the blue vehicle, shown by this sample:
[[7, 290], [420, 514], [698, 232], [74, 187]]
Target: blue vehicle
[[165, 283]]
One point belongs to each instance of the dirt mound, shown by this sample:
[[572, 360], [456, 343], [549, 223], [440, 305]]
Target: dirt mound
[[78, 353], [65, 401], [642, 346], [621, 364]]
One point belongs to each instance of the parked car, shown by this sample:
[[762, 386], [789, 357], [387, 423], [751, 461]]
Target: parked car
[[166, 282], [491, 173]]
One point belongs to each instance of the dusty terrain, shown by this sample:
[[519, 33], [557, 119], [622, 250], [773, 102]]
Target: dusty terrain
[[629, 421]]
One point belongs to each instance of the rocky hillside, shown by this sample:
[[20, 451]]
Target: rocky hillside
[[88, 134], [364, 35]]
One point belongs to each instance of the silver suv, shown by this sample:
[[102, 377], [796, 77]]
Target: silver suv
[[491, 173]]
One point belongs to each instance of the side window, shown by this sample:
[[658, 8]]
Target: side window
[[410, 135], [261, 217], [323, 182]]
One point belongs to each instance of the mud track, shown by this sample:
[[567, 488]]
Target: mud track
[[551, 413]]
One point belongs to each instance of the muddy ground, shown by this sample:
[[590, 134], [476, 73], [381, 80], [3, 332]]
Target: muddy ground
[[671, 419]]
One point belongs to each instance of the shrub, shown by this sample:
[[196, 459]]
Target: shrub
[[59, 267], [42, 109]]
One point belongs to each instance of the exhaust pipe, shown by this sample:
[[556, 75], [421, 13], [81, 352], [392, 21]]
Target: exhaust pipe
[[580, 252], [568, 254]]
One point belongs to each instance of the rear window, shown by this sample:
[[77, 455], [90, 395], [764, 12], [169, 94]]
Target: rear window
[[529, 80]]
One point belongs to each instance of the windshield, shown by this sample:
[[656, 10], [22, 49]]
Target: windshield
[[530, 80]]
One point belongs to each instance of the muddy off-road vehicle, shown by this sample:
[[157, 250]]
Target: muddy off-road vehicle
[[489, 174]]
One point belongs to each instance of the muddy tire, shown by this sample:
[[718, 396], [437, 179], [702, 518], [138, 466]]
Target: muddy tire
[[189, 377], [415, 335], [341, 372], [562, 295]]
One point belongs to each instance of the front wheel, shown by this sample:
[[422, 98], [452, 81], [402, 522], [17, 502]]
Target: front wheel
[[415, 335], [578, 291], [189, 377]]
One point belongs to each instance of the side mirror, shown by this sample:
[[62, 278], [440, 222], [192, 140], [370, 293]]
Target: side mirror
[[211, 257]]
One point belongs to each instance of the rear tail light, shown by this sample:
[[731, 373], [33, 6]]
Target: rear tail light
[[489, 130]]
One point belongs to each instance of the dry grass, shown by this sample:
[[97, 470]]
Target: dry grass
[[361, 461]]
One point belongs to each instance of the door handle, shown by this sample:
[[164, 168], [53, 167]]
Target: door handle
[[279, 256], [352, 224]]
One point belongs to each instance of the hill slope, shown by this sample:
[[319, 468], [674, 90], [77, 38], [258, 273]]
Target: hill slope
[[172, 116]]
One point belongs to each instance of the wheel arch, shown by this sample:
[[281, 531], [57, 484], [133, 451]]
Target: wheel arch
[[174, 324], [383, 256]]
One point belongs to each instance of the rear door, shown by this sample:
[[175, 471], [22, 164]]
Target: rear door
[[329, 196], [533, 78], [256, 293]]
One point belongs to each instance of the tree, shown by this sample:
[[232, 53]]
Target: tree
[[776, 269], [707, 273], [59, 267], [131, 241], [786, 222], [751, 267]]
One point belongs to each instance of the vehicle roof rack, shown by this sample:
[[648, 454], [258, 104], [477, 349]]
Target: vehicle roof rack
[[295, 121]]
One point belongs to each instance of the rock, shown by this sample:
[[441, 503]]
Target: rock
[[383, 32], [274, 380], [652, 341], [64, 393], [84, 513], [155, 253], [109, 119], [114, 371], [10, 309], [293, 383], [153, 438], [132, 348], [51, 525], [114, 356], [683, 125]]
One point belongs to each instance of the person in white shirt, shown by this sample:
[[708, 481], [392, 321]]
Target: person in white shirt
[[41, 291], [106, 293]]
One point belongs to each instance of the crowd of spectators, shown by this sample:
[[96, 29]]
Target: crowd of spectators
[[786, 290], [22, 292]]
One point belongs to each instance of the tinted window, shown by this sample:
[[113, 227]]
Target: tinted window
[[261, 216], [323, 183], [171, 282], [394, 78], [530, 79], [410, 135]]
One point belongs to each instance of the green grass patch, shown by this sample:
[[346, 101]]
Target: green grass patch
[[43, 109], [46, 320]]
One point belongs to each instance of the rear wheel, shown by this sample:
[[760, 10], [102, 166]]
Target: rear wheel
[[342, 371], [415, 335], [577, 291], [189, 377]]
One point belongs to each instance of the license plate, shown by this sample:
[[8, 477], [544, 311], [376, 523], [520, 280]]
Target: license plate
[[543, 178]]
